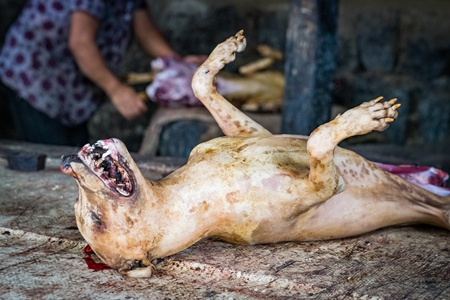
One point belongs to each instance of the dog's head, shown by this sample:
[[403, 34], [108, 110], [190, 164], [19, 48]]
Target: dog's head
[[113, 195], [105, 167]]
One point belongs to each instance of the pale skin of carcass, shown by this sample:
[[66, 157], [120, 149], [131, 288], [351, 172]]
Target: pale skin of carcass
[[250, 187]]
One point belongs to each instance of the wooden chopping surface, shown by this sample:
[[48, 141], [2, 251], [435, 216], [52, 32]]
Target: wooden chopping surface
[[41, 254]]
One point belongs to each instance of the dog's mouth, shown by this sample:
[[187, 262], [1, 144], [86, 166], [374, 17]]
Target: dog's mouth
[[105, 161]]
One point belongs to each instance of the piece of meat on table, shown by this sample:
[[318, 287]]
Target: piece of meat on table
[[171, 86]]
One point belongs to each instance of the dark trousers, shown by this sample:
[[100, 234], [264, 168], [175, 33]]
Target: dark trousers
[[34, 126]]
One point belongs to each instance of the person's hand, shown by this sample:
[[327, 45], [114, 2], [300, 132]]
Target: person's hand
[[127, 102]]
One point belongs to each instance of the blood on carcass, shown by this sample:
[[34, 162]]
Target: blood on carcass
[[91, 263]]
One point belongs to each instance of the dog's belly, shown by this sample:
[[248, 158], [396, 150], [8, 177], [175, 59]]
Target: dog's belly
[[256, 189]]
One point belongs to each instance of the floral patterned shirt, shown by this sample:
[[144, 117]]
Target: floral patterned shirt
[[36, 62]]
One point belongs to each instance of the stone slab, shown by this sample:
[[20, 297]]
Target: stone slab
[[41, 254]]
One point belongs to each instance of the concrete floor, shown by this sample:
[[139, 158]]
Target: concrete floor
[[41, 254]]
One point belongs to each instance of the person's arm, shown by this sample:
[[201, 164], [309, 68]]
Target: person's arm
[[148, 35], [153, 42], [90, 61]]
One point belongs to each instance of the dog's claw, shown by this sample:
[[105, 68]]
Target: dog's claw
[[392, 101], [396, 106], [378, 99]]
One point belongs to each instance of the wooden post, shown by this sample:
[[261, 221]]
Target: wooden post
[[310, 64]]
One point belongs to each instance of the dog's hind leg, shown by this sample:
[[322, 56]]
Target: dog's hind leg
[[324, 178], [230, 119]]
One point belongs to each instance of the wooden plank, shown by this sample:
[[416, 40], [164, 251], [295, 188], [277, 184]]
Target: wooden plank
[[310, 64]]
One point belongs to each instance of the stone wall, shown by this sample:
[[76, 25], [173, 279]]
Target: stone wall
[[393, 48], [399, 52]]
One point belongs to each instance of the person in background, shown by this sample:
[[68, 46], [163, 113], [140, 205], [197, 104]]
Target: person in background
[[60, 58]]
